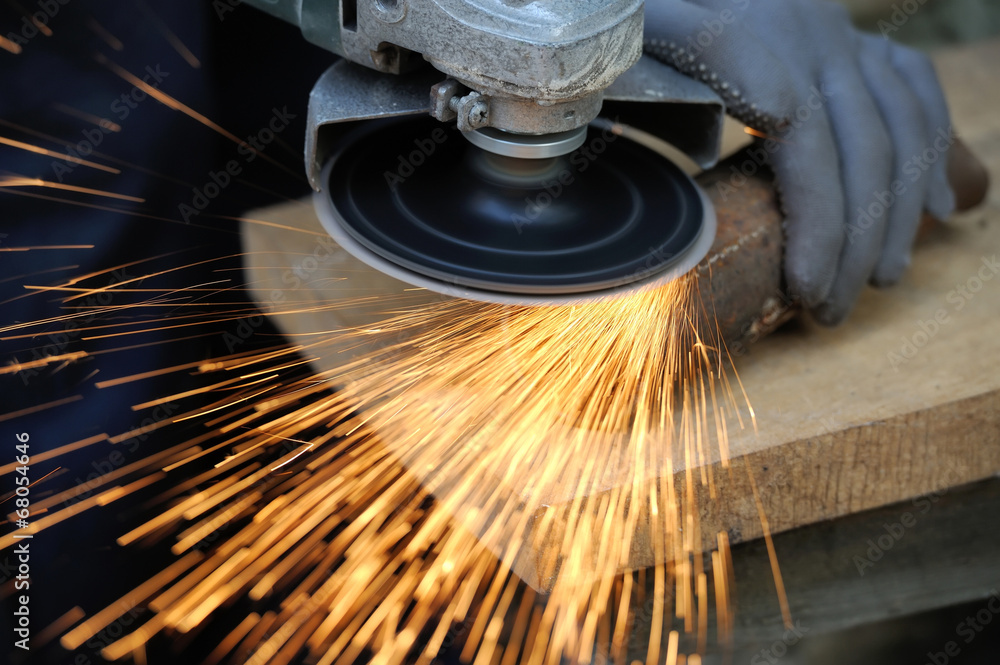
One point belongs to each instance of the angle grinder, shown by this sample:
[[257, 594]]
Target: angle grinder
[[466, 146]]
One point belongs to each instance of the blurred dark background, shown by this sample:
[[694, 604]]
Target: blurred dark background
[[235, 66]]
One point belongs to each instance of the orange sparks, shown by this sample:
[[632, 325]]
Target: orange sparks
[[58, 155], [169, 35], [103, 123], [18, 367], [33, 483], [176, 105], [529, 472], [103, 33], [761, 135], [33, 17], [512, 484], [8, 45], [41, 407], [36, 247], [17, 181]]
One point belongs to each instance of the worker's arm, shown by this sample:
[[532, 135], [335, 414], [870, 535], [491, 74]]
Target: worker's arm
[[860, 131]]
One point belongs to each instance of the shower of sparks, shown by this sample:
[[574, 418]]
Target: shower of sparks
[[176, 105], [513, 484], [95, 153], [517, 483]]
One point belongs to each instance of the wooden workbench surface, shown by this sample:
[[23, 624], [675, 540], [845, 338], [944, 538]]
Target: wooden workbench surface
[[904, 398]]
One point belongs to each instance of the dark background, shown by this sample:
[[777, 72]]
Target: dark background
[[250, 64]]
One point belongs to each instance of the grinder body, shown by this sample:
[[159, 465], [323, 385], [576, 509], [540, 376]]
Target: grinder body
[[529, 67], [523, 81]]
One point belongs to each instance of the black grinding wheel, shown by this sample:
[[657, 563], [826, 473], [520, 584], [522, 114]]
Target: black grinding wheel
[[415, 199]]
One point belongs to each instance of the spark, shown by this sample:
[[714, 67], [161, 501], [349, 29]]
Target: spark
[[38, 23], [18, 367], [70, 144], [17, 181], [32, 484], [38, 458], [103, 123], [779, 583], [37, 247], [120, 211], [531, 473], [10, 46], [58, 155], [176, 105], [759, 134], [39, 407], [103, 33], [532, 429], [306, 448], [169, 35], [60, 625]]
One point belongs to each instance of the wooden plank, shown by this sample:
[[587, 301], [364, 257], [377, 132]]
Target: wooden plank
[[905, 397]]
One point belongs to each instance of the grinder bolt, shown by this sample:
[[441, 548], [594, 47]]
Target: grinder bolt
[[479, 115]]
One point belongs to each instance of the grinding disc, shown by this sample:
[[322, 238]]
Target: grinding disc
[[419, 202]]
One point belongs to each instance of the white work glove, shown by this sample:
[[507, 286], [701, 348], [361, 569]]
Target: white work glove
[[861, 124]]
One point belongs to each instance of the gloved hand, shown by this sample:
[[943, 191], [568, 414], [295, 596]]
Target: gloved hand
[[860, 129]]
